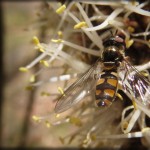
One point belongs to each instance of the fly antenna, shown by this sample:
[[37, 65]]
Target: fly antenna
[[116, 32], [111, 32]]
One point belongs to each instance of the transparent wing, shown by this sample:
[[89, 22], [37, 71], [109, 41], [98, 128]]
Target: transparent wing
[[78, 90], [135, 83]]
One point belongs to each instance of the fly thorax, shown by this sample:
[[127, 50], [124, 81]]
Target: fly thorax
[[111, 57]]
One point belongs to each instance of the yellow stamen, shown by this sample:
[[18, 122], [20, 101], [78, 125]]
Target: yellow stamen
[[60, 34], [134, 104], [29, 88], [80, 25], [131, 29], [45, 63], [23, 69], [35, 40], [41, 50], [61, 91], [37, 43], [56, 41], [45, 94], [125, 125], [35, 118], [75, 120], [61, 9], [128, 42], [57, 115], [32, 78], [144, 73], [48, 124]]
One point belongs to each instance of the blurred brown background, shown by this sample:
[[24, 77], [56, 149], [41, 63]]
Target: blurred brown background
[[18, 105]]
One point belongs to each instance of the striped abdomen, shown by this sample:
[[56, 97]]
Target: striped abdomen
[[106, 88]]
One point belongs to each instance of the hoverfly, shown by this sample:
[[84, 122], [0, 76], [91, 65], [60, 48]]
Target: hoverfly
[[104, 77]]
